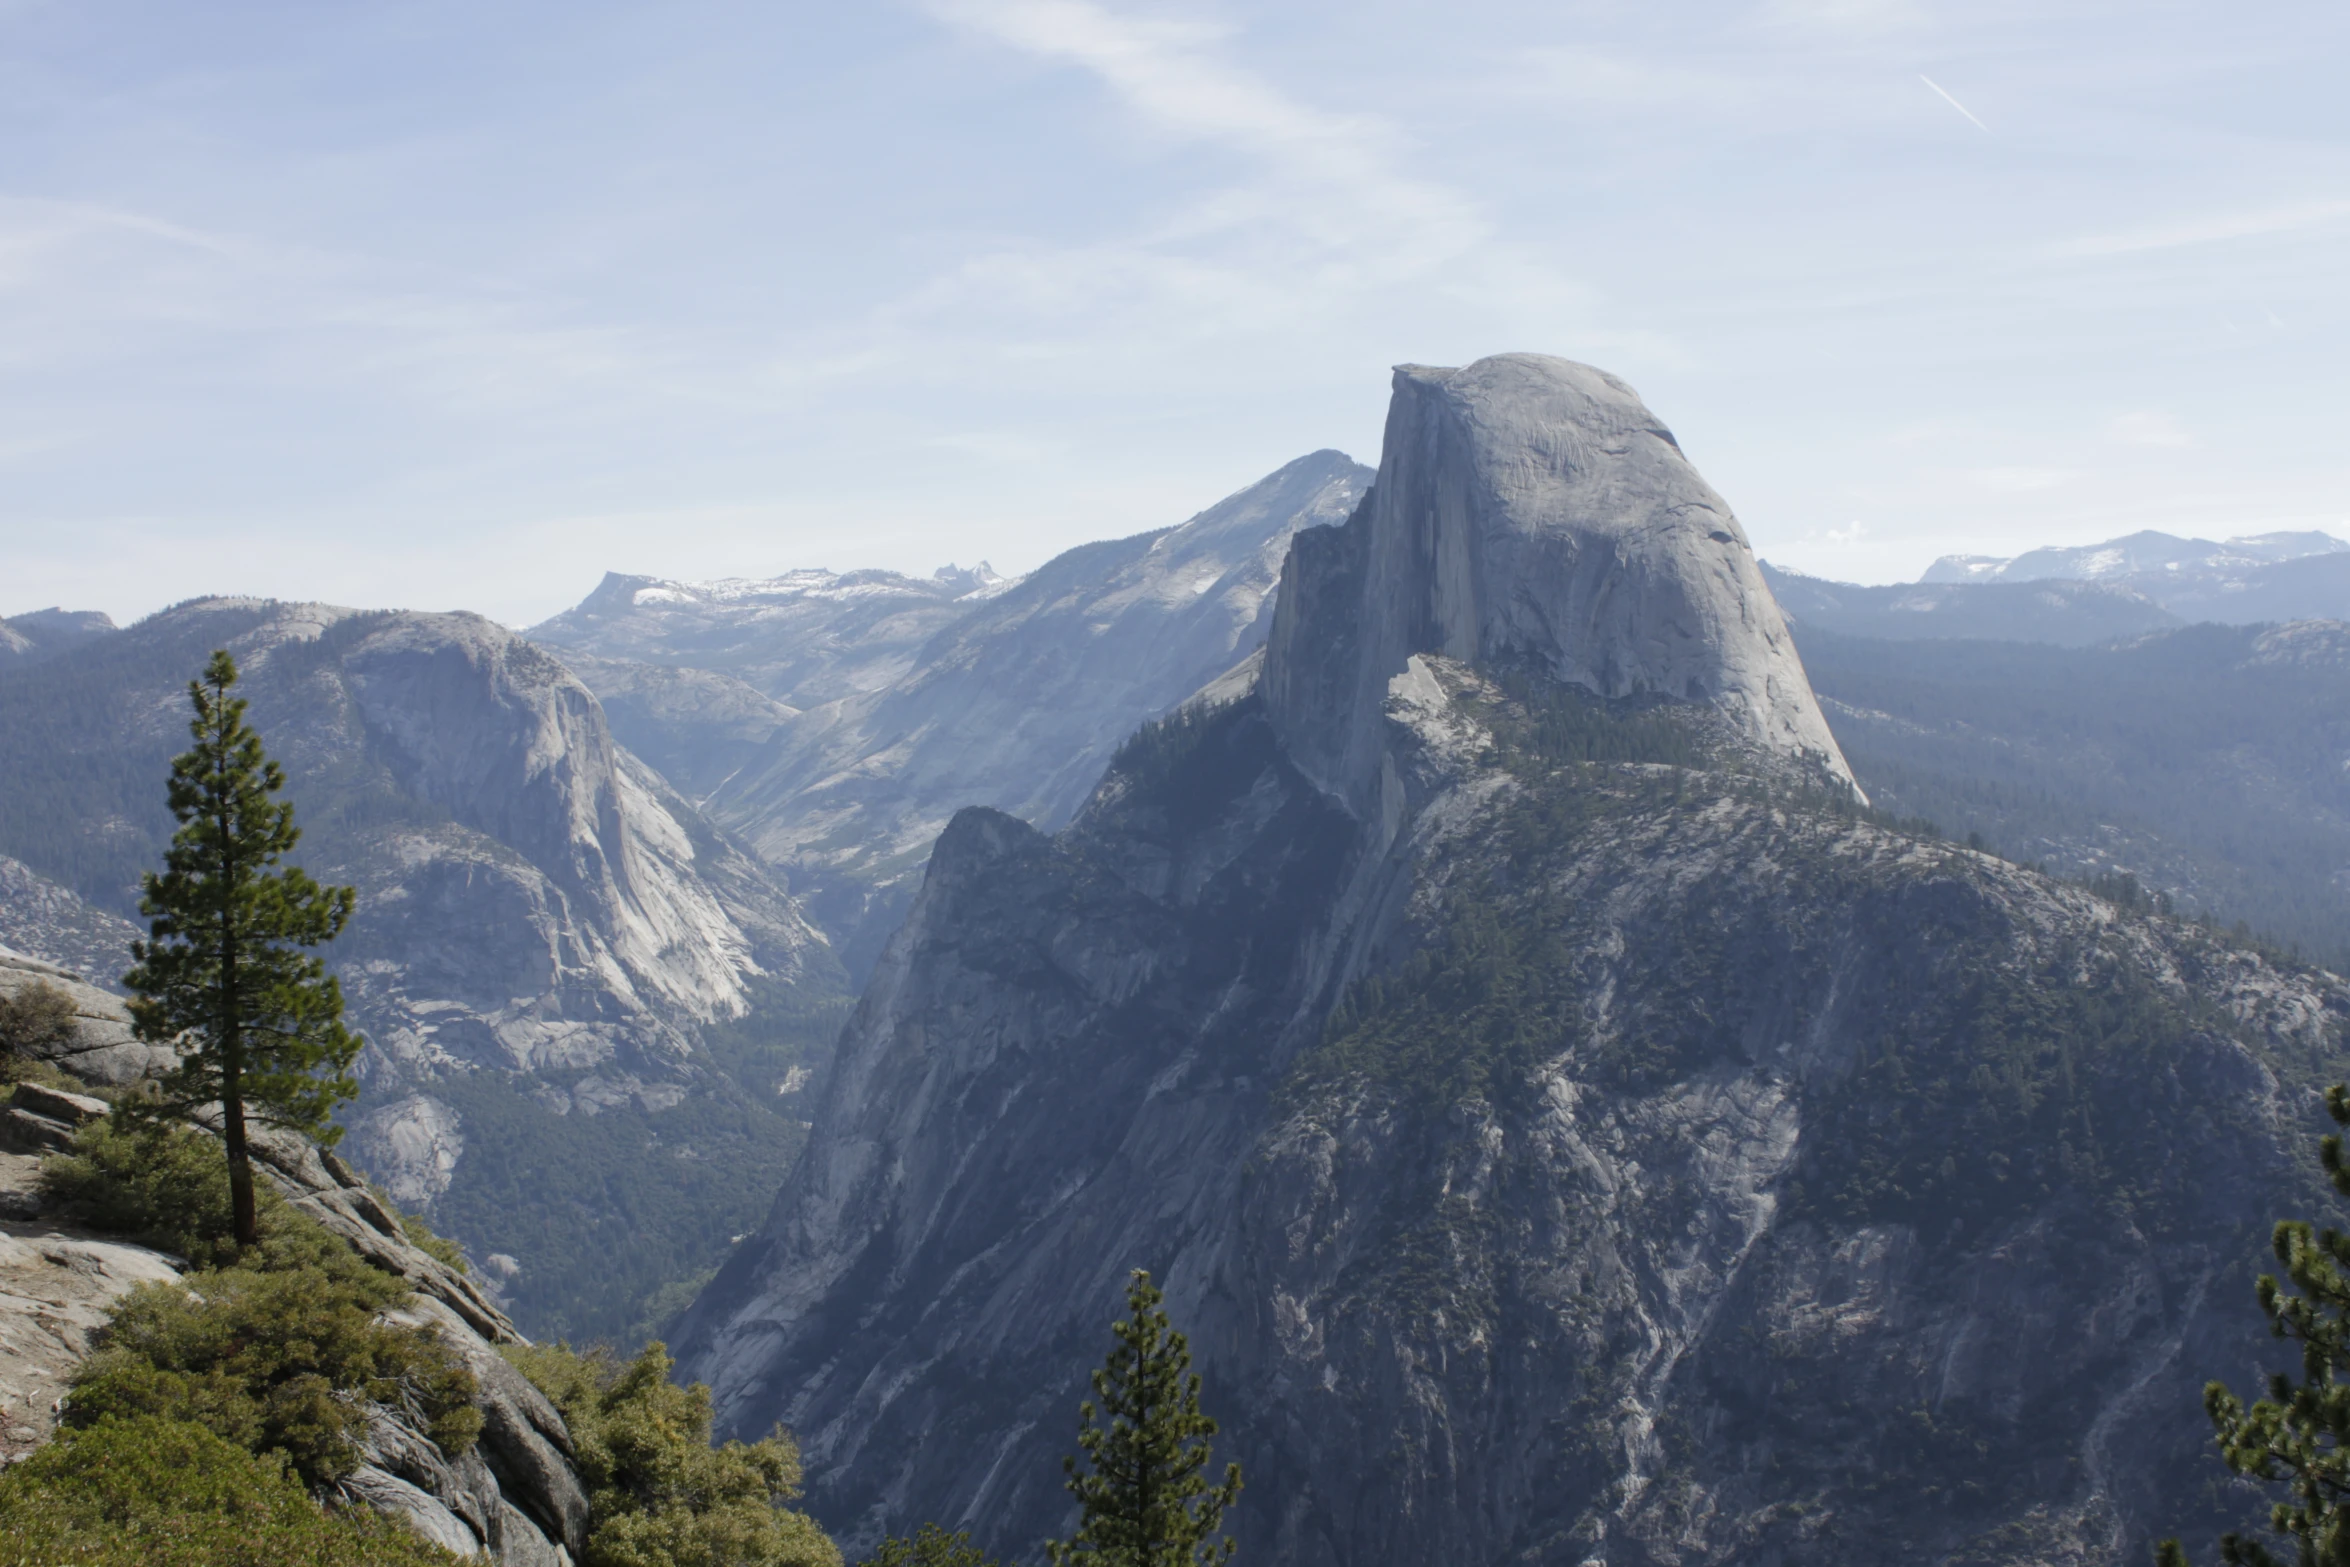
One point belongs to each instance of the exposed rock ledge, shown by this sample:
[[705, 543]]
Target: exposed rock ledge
[[513, 1498]]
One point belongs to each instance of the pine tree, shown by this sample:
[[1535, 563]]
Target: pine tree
[[2298, 1436], [224, 974], [1145, 1501]]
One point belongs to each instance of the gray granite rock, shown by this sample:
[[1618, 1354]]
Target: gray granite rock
[[1551, 1161], [51, 924], [1016, 699], [1531, 510], [102, 1048]]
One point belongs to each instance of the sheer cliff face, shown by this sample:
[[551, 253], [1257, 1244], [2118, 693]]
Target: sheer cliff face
[[546, 932], [1687, 1178], [532, 897], [1013, 696], [1531, 509], [1582, 1145]]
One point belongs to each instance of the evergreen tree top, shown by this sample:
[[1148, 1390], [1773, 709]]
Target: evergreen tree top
[[1143, 1497], [226, 972]]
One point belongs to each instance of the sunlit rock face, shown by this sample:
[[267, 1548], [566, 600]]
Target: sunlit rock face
[[837, 742], [1531, 510]]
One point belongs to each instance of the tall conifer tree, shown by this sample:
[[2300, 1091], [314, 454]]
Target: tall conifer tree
[[1145, 1501], [225, 973]]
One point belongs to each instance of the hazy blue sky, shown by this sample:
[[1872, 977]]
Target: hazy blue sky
[[460, 305]]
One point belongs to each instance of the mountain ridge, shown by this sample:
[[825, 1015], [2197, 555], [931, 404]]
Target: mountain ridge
[[1567, 1133], [1014, 697]]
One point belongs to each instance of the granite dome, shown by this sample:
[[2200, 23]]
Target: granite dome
[[1531, 509]]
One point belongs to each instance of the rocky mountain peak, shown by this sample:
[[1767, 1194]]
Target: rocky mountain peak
[[45, 633], [1530, 509]]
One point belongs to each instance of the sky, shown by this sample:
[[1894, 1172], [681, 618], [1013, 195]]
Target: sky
[[444, 306]]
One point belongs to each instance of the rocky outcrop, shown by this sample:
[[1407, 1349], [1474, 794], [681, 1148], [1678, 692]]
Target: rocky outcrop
[[48, 922], [411, 1145], [1590, 1143], [513, 1499], [1531, 510], [515, 1496], [58, 1285], [101, 1046]]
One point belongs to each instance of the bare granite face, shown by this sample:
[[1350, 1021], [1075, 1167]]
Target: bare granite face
[[1531, 510], [804, 716], [101, 1046]]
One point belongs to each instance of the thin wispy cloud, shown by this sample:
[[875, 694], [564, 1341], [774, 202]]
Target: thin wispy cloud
[[1943, 93], [1323, 211], [1172, 76], [2211, 229]]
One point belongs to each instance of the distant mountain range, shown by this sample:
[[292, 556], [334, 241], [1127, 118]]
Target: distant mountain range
[[1426, 921], [45, 633], [593, 867], [2087, 594], [2139, 555], [836, 722]]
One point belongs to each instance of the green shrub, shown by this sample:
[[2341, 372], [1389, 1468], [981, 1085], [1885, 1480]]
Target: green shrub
[[659, 1495], [930, 1546], [281, 1361], [276, 1348], [153, 1492], [36, 1017], [164, 1185]]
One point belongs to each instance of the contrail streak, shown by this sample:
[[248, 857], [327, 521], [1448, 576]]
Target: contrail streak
[[1954, 103]]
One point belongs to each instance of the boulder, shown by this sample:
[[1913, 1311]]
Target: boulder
[[101, 1048]]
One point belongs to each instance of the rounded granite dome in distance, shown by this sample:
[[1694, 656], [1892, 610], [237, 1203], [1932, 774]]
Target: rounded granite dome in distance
[[1530, 508]]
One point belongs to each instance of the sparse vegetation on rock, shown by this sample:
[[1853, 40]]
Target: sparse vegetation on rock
[[35, 1019], [152, 1491], [659, 1494]]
